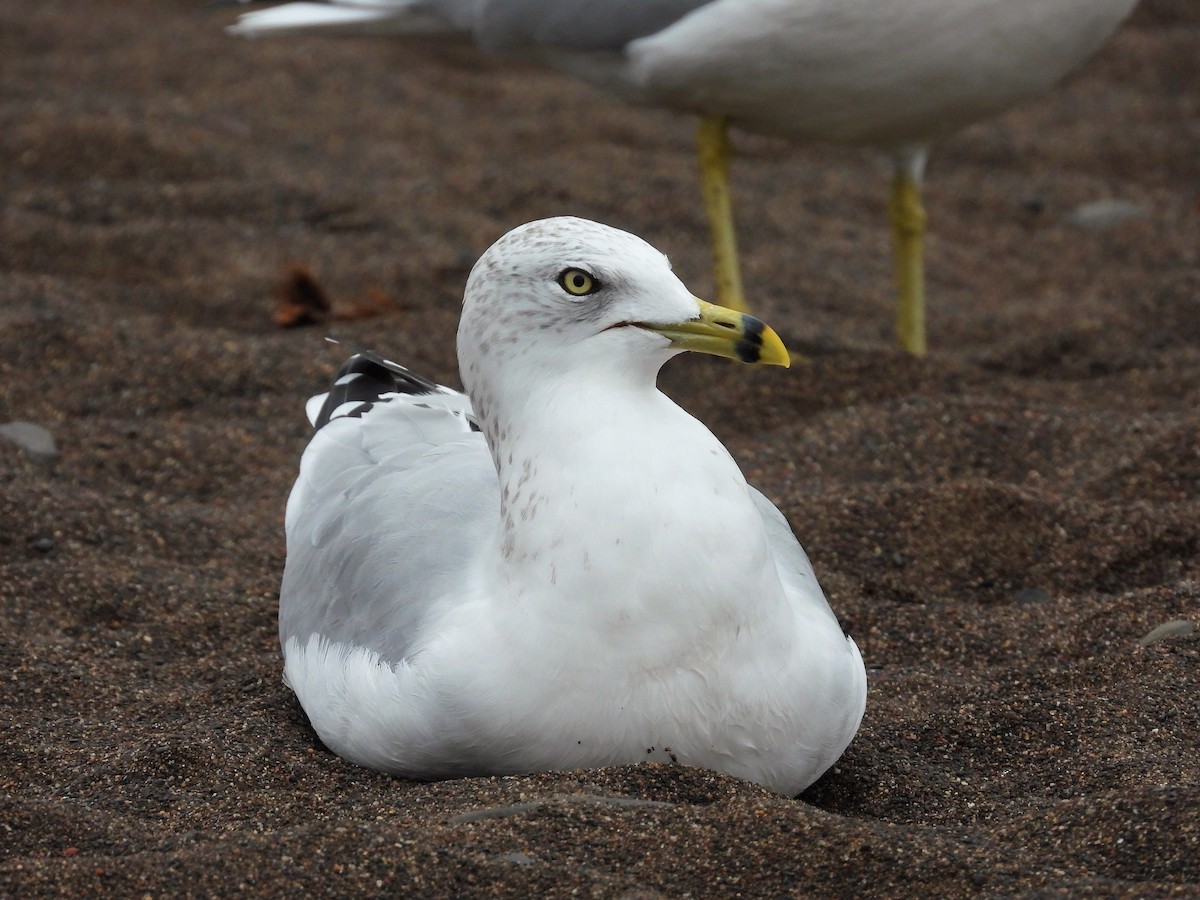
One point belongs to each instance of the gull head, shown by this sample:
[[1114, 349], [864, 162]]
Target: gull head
[[565, 296]]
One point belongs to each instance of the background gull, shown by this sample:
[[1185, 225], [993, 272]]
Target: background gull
[[894, 74], [567, 570]]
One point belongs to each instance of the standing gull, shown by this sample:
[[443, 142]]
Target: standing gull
[[561, 568], [893, 74]]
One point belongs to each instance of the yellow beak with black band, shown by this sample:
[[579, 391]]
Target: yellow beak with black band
[[725, 332]]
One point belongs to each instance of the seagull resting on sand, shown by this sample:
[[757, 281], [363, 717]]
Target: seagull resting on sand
[[893, 74], [560, 568]]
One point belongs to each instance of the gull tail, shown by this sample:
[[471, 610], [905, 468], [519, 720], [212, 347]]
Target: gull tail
[[364, 17]]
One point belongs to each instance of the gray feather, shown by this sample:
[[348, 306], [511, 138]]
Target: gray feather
[[575, 25], [415, 454]]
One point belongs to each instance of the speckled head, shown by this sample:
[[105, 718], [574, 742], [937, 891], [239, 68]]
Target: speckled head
[[564, 296], [551, 295]]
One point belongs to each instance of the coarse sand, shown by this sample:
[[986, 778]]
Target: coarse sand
[[998, 525]]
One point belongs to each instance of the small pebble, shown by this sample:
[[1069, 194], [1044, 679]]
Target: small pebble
[[1030, 596], [36, 441], [1105, 214], [1035, 205], [521, 859]]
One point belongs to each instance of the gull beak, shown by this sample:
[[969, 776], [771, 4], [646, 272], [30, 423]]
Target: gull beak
[[725, 332]]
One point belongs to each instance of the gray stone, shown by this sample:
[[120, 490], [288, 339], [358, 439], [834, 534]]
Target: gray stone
[[36, 441], [521, 859], [1029, 596], [1105, 214]]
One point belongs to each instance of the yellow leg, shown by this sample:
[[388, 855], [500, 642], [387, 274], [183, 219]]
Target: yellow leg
[[908, 234], [712, 139]]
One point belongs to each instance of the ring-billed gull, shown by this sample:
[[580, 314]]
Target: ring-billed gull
[[561, 568], [894, 74]]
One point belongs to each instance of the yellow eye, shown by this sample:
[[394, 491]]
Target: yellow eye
[[578, 282]]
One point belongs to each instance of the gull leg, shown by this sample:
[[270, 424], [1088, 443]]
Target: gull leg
[[712, 140], [907, 217]]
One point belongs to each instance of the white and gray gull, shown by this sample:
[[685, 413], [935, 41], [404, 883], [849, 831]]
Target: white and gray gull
[[892, 74], [560, 568]]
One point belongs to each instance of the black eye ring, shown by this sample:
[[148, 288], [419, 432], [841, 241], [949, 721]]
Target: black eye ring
[[577, 282]]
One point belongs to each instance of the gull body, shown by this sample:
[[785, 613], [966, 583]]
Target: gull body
[[894, 74], [562, 568]]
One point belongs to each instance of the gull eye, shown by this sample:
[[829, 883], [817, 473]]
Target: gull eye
[[578, 282]]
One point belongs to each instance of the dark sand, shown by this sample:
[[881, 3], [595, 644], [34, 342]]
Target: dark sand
[[996, 525]]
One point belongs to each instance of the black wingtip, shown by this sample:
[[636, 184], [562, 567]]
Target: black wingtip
[[363, 380]]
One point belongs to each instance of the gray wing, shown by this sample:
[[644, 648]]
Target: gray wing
[[795, 571], [574, 25], [395, 498]]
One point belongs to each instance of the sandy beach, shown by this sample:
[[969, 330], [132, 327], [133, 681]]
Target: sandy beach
[[1000, 525]]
